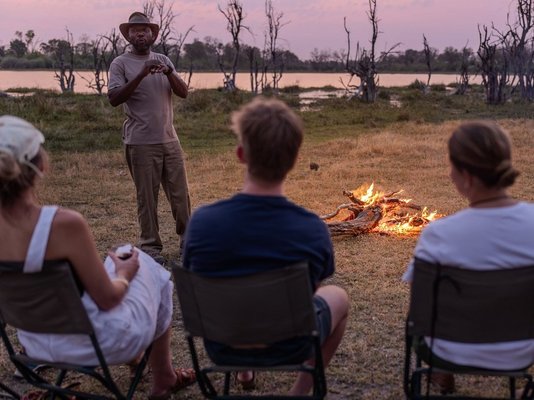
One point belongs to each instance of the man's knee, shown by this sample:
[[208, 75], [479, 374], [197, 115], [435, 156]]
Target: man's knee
[[337, 300]]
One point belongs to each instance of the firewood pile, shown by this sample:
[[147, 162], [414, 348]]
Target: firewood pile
[[374, 211]]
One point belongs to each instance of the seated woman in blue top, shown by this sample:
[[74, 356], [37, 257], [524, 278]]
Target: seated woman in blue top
[[494, 232], [129, 302], [259, 229]]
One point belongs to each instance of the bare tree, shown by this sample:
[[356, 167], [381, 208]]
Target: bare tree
[[518, 41], [161, 12], [62, 52], [117, 46], [493, 66], [275, 62], [233, 12], [99, 81], [463, 80], [254, 59], [428, 61], [179, 42], [364, 64]]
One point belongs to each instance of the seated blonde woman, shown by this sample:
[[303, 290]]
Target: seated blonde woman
[[494, 232], [128, 301]]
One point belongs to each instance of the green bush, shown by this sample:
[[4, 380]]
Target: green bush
[[417, 84]]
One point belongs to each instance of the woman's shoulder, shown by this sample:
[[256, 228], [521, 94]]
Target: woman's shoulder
[[67, 220]]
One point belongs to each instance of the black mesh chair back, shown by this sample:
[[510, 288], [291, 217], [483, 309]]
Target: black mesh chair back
[[261, 308], [468, 306], [49, 302]]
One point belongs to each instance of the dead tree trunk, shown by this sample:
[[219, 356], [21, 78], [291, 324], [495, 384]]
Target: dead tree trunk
[[254, 68], [162, 14], [234, 18], [463, 80], [64, 73], [274, 25], [364, 64], [117, 47], [99, 81], [428, 61], [493, 67], [516, 40]]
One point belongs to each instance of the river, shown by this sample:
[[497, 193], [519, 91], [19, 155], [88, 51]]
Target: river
[[210, 80]]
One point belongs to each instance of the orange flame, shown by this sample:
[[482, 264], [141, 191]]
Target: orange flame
[[399, 216]]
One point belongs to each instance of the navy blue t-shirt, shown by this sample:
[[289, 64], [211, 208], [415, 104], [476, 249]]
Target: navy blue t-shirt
[[246, 234]]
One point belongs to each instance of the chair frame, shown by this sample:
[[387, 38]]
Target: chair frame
[[443, 305], [8, 392], [31, 302], [291, 283]]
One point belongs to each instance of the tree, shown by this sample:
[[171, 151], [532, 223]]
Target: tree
[[463, 80], [62, 52], [18, 48], [162, 13], [428, 61], [364, 64], [519, 44], [29, 39], [275, 60], [233, 12], [493, 66], [98, 49], [164, 18], [254, 59]]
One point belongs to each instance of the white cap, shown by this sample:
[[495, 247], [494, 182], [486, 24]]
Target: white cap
[[19, 138]]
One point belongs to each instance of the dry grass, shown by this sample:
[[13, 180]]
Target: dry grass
[[410, 156]]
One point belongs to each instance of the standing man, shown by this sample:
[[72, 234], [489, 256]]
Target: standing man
[[144, 81], [259, 229]]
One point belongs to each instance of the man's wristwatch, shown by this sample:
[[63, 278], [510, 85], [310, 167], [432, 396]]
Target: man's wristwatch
[[170, 71]]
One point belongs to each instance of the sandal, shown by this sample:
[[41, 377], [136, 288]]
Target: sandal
[[249, 384], [184, 377]]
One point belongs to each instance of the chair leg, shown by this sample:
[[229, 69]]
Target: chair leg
[[9, 391], [512, 387], [528, 391], [227, 383], [60, 377]]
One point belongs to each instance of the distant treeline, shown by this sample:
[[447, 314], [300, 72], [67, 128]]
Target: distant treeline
[[208, 54]]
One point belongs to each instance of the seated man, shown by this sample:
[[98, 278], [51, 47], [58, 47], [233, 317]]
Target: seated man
[[259, 229]]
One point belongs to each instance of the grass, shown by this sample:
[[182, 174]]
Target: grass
[[353, 143]]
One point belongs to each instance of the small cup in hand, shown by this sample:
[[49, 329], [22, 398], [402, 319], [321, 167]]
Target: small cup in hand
[[124, 252]]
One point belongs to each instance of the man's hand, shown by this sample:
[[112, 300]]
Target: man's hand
[[152, 67], [155, 67]]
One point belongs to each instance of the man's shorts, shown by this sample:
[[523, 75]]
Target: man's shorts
[[291, 351]]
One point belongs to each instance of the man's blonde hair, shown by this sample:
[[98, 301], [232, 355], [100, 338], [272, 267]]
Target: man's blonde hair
[[270, 134]]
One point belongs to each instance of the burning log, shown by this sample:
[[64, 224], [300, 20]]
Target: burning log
[[371, 211]]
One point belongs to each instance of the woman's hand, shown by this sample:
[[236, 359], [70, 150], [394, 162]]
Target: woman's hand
[[126, 268]]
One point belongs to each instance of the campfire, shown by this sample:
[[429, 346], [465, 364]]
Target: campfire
[[370, 210]]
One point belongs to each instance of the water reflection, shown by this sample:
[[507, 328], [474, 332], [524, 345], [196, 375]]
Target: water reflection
[[213, 80]]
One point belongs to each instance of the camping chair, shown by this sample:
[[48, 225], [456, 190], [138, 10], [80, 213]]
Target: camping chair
[[49, 302], [467, 306], [7, 393], [265, 307]]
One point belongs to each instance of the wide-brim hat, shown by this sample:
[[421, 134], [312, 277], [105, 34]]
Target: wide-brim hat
[[138, 18]]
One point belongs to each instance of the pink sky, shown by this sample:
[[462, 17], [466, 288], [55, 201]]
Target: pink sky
[[311, 23]]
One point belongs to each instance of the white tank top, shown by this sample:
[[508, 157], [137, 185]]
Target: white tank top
[[39, 241]]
